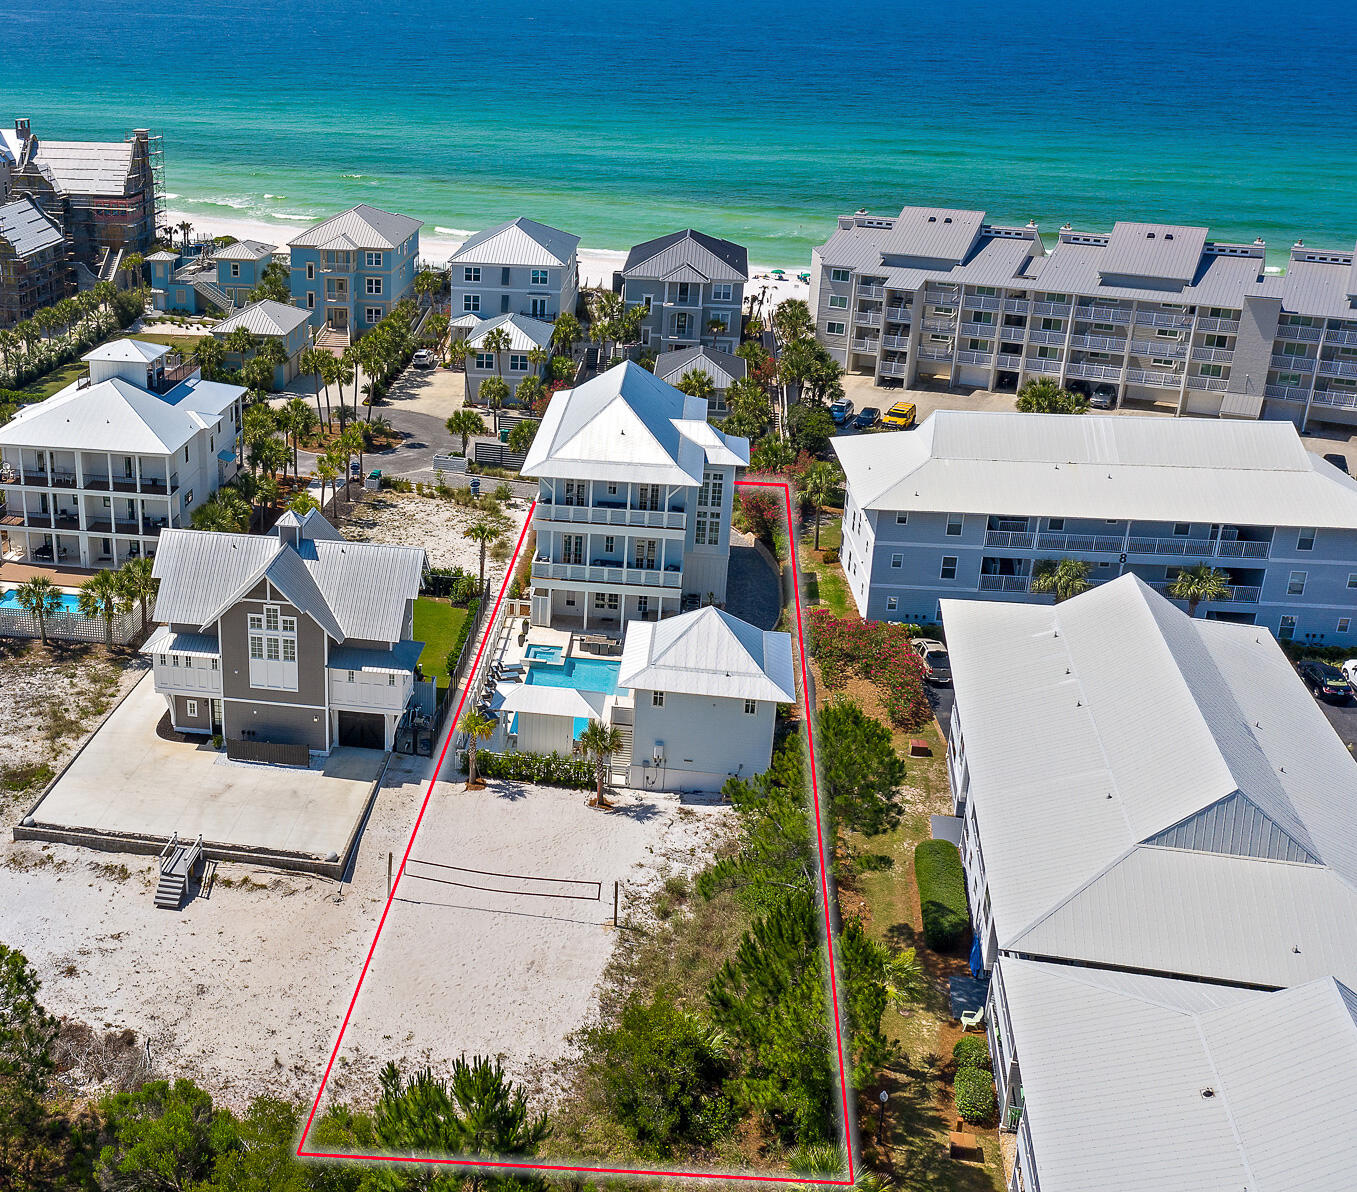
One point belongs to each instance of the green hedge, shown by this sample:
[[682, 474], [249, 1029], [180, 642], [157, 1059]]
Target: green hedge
[[975, 1098], [550, 769], [942, 893], [971, 1051], [463, 632]]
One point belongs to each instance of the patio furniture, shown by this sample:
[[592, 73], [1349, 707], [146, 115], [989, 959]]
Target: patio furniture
[[970, 1018]]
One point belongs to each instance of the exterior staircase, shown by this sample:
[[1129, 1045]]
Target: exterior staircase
[[213, 293], [621, 760], [178, 859], [110, 264], [330, 339]]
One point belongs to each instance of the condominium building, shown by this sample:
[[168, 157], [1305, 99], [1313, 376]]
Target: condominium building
[[521, 267], [634, 501], [95, 473], [967, 505], [33, 266], [351, 269], [691, 288], [1158, 313], [1152, 806]]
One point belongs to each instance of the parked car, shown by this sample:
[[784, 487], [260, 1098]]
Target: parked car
[[1339, 461], [424, 359], [1324, 681], [1080, 387], [1349, 669], [901, 415], [933, 654], [867, 418], [841, 411], [1104, 397]]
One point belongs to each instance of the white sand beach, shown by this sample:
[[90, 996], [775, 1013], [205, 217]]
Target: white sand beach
[[596, 265]]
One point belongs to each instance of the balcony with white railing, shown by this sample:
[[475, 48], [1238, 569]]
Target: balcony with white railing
[[935, 352], [1098, 343], [1092, 313], [1038, 364], [1167, 349], [898, 314], [1009, 361], [601, 514], [670, 577], [944, 294], [1208, 384], [866, 345], [1157, 318], [1200, 548], [899, 343], [966, 356], [1347, 338], [1156, 377], [1338, 368], [1059, 310], [1299, 333], [1093, 371], [1005, 583], [1010, 539], [1235, 593], [871, 291], [1286, 393], [981, 302], [1339, 399], [980, 330], [1080, 543], [1016, 306], [867, 318], [1229, 326], [933, 323], [893, 368], [1301, 364], [1047, 337], [1213, 355]]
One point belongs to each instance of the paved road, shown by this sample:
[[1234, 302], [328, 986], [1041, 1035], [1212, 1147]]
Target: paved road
[[1343, 717]]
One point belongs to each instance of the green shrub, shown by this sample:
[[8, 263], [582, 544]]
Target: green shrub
[[971, 1051], [503, 493], [463, 632], [831, 554], [942, 893], [974, 1093], [549, 769]]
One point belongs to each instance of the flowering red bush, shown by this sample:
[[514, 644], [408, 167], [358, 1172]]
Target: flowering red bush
[[762, 511], [878, 651]]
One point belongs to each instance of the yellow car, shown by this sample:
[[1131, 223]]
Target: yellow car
[[900, 415]]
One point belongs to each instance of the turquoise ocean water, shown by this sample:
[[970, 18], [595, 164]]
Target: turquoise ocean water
[[760, 121]]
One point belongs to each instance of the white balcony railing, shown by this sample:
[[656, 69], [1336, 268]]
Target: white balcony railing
[[1095, 372], [1038, 364], [894, 368], [608, 515], [981, 302], [871, 291], [935, 352], [1047, 337], [1010, 539], [1213, 355], [899, 343], [1155, 318], [1229, 326], [1235, 593], [966, 356], [1338, 368], [1149, 376], [898, 314], [933, 323], [981, 330], [1294, 331], [1083, 543], [1005, 583], [1286, 393], [1016, 306], [1059, 310], [589, 573], [1348, 338], [1169, 349], [868, 318], [1009, 361], [1300, 364], [1102, 314], [1209, 384], [1098, 343], [1342, 399]]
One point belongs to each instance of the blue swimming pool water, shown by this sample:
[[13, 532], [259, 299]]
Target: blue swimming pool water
[[544, 653], [583, 674], [69, 604]]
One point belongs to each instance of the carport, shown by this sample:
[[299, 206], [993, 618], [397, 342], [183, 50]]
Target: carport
[[362, 730]]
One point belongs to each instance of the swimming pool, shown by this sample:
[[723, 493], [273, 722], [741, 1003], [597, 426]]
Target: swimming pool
[[70, 604], [583, 674], [539, 653]]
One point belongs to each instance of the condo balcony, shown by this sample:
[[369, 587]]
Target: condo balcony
[[867, 318], [1039, 364], [1347, 338], [1098, 343], [983, 330], [898, 314], [899, 343], [1154, 318], [892, 368], [1337, 368], [1059, 310], [981, 302], [934, 352], [1301, 364], [966, 356], [1155, 377], [1339, 399], [933, 323], [1286, 393], [1176, 547], [867, 345], [670, 577], [1294, 331], [1047, 337], [1092, 312], [1226, 325], [871, 291], [1169, 349], [1215, 355], [1094, 372], [1016, 306], [1235, 593], [604, 513]]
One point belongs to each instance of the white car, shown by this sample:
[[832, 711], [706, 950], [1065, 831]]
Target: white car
[[423, 359], [1349, 669]]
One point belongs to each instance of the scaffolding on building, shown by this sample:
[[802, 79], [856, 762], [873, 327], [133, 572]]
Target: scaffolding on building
[[155, 153]]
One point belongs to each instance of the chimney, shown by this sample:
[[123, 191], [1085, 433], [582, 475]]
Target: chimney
[[22, 128]]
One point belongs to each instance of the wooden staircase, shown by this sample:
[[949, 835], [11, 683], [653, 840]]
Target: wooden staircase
[[178, 859]]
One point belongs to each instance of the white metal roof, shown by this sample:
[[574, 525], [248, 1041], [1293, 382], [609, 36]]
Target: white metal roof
[[359, 227], [627, 425], [265, 317], [525, 332], [1116, 1069], [941, 233], [128, 349], [165, 641], [708, 652], [1089, 465], [1162, 251], [1154, 791], [521, 242], [548, 701], [244, 250]]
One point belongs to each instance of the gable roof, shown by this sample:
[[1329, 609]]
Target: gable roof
[[1164, 252], [1100, 1049], [265, 317], [933, 233], [1100, 466], [351, 589], [626, 424], [122, 350], [244, 250], [1184, 785], [87, 167], [724, 368], [359, 227], [518, 242], [26, 228], [705, 258], [525, 332], [708, 652]]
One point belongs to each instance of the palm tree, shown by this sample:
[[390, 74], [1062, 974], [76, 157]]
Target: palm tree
[[465, 423], [538, 357], [497, 342], [258, 425], [1041, 395], [309, 361], [303, 503], [819, 484], [210, 354], [697, 382], [565, 333], [102, 596], [41, 597], [530, 392], [186, 228], [131, 265], [1202, 582], [482, 534], [138, 583], [226, 511], [328, 472], [600, 742], [458, 351], [296, 420], [478, 727], [1063, 578]]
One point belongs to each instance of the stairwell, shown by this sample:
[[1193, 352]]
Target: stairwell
[[214, 294], [330, 339], [178, 859], [111, 263]]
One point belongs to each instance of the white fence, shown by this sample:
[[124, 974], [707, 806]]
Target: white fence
[[71, 627]]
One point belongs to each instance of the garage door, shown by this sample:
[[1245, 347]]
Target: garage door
[[362, 730]]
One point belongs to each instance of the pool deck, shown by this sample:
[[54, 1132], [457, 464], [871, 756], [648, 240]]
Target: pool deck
[[13, 574]]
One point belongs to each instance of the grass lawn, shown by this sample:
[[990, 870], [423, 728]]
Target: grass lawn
[[185, 345], [436, 625], [59, 378], [830, 588]]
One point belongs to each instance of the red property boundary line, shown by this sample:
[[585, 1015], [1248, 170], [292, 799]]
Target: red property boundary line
[[302, 1152]]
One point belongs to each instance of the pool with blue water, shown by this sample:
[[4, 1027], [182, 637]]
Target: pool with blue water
[[70, 603], [583, 674]]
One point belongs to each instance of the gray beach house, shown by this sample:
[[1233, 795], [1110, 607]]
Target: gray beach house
[[691, 286]]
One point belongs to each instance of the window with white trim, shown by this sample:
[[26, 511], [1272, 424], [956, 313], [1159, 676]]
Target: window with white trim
[[310, 271], [892, 604], [372, 260], [273, 649], [518, 362], [471, 303], [712, 492], [485, 360], [1286, 629], [751, 707], [955, 522], [373, 285], [948, 569], [191, 709], [897, 560], [722, 292], [1305, 540], [840, 275], [539, 277], [1343, 624], [374, 315], [838, 302], [833, 328], [471, 273], [657, 699], [902, 518], [1295, 584]]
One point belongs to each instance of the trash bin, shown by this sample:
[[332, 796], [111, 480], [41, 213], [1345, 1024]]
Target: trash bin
[[504, 435]]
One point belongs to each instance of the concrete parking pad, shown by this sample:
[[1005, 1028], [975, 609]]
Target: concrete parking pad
[[129, 781]]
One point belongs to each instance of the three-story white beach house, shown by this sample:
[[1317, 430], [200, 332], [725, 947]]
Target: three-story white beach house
[[93, 474], [517, 268], [1151, 313], [635, 489], [970, 503]]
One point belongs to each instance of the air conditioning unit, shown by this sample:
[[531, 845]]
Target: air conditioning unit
[[657, 754]]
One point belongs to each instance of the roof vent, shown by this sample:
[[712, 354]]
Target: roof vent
[[1168, 235], [947, 220], [1149, 235], [932, 219], [1208, 1093]]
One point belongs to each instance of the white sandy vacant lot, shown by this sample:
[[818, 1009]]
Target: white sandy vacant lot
[[495, 969]]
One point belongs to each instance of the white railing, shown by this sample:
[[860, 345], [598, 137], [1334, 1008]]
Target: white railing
[[1339, 337], [866, 345], [1011, 539], [1098, 343], [1214, 355], [898, 314], [1337, 368], [1286, 393], [1058, 309], [1169, 349], [1039, 365], [966, 356], [898, 342], [1306, 335], [605, 515], [1300, 364], [1087, 543], [980, 302], [934, 353], [1209, 384], [1005, 583], [890, 368], [1092, 371], [1226, 548], [1102, 314], [1337, 398], [1046, 337], [1243, 548], [944, 294], [1226, 325], [1235, 593], [1010, 362], [1144, 376], [932, 323], [982, 330], [1154, 318], [1016, 306], [71, 626], [868, 318], [588, 573], [871, 291]]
